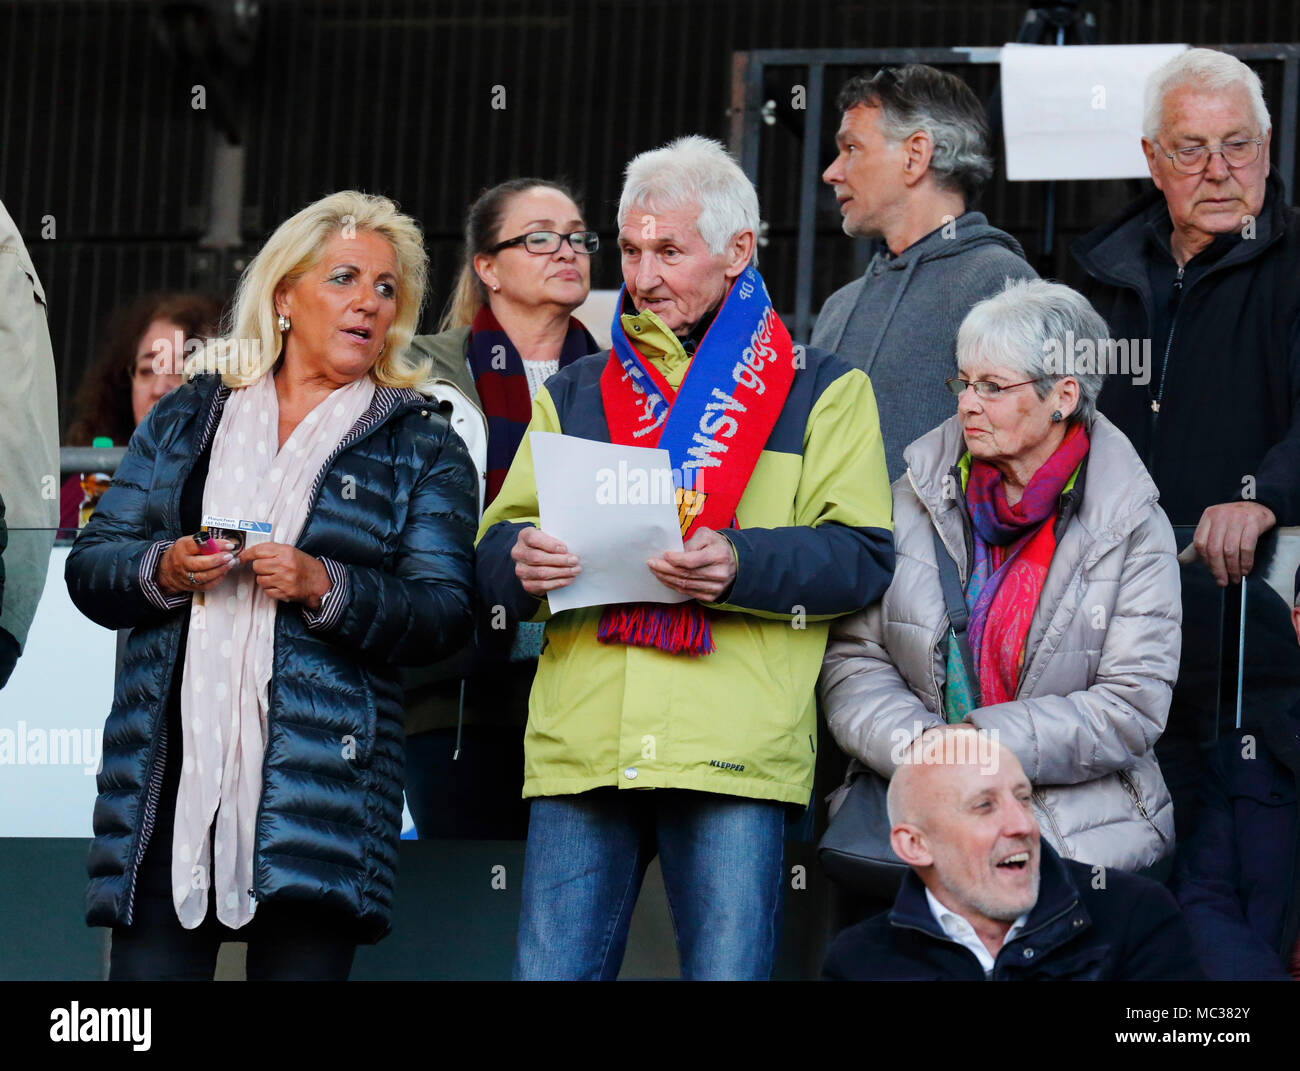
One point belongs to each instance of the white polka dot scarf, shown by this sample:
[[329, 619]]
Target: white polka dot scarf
[[224, 690]]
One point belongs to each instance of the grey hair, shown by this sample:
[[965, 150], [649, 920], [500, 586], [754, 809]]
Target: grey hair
[[919, 97], [1205, 68], [694, 172], [1021, 325]]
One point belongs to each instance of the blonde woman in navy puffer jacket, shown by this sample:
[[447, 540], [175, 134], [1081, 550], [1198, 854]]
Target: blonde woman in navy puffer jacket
[[251, 786]]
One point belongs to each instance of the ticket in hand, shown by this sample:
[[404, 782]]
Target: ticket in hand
[[240, 532]]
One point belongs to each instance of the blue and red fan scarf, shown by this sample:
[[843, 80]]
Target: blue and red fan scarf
[[714, 428], [502, 387]]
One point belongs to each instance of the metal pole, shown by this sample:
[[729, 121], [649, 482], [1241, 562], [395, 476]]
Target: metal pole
[[1290, 97], [1241, 649], [225, 199], [809, 181]]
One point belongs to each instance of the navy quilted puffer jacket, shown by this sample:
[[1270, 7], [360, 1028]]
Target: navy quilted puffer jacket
[[395, 508]]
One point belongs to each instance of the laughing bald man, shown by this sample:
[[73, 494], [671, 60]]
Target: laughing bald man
[[987, 899]]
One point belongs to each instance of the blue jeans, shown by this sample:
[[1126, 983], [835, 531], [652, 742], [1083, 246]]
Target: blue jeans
[[722, 860]]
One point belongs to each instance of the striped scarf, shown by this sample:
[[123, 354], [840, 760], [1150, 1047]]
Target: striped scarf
[[502, 387]]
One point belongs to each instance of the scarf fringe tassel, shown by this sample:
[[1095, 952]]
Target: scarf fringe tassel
[[677, 628]]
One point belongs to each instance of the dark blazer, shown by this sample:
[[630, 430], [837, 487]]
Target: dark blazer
[[1238, 878], [392, 515], [1130, 930]]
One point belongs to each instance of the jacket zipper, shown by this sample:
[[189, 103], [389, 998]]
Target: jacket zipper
[[1051, 819], [1132, 789], [1164, 365], [157, 762], [351, 439], [1110, 279]]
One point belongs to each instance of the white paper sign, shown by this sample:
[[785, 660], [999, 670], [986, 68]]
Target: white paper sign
[[1075, 111], [614, 507]]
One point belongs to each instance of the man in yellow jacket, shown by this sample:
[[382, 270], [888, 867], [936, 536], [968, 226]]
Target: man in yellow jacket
[[688, 729]]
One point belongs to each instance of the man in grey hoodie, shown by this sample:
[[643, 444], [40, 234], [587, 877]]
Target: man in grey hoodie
[[913, 153]]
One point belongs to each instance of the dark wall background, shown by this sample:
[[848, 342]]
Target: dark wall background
[[98, 136]]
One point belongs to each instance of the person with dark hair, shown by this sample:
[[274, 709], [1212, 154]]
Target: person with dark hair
[[508, 327], [140, 361], [1237, 878], [913, 156], [135, 366]]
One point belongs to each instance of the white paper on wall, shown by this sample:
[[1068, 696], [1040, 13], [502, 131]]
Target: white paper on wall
[[1075, 111]]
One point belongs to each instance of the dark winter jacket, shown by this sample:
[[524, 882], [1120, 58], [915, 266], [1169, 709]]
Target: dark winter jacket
[[1225, 375], [392, 515], [1238, 878], [1127, 930], [899, 321]]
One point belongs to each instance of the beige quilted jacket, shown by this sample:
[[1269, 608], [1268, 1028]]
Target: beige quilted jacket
[[1102, 652]]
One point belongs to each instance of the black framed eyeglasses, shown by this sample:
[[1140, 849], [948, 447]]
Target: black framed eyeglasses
[[1194, 159], [546, 242], [985, 388]]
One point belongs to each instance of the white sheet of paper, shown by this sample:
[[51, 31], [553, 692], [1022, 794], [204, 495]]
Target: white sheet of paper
[[1075, 111], [612, 506]]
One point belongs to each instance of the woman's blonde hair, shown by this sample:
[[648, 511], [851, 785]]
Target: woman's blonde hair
[[294, 248]]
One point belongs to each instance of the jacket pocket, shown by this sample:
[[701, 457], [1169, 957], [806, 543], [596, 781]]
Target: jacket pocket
[[1087, 964], [558, 640]]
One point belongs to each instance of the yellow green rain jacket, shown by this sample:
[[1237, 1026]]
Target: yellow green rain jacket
[[814, 541]]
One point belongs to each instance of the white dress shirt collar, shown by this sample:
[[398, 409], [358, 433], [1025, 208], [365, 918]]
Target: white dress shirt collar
[[963, 933]]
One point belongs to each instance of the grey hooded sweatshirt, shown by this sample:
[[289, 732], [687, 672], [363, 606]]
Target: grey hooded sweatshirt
[[899, 321]]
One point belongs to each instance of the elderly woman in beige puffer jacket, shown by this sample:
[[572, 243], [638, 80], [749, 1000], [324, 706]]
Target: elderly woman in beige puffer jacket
[[1068, 567]]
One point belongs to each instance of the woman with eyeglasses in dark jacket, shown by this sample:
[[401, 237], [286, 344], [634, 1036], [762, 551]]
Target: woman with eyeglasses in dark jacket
[[508, 328]]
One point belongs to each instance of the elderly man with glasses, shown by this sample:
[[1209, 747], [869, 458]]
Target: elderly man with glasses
[[1202, 278]]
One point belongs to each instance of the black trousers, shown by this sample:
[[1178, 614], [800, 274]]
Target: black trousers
[[286, 941]]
